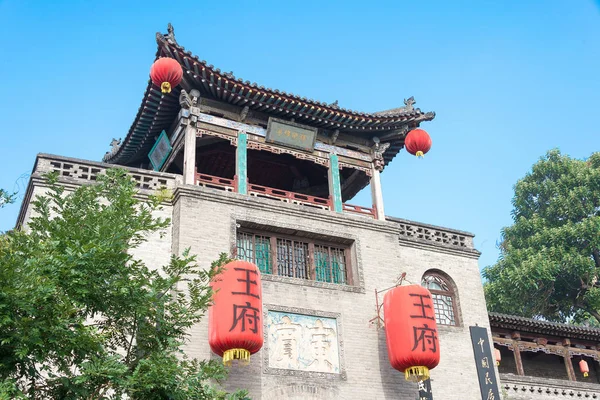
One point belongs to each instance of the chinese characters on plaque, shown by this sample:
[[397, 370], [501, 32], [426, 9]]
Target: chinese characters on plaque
[[291, 134], [245, 316], [303, 342], [160, 151], [488, 383]]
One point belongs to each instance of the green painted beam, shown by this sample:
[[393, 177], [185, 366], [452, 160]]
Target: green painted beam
[[335, 190], [241, 164]]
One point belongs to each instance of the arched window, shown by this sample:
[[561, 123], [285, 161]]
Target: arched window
[[443, 296]]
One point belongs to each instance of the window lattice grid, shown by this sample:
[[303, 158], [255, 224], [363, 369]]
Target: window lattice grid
[[444, 309], [330, 264], [255, 249], [292, 259], [434, 282]]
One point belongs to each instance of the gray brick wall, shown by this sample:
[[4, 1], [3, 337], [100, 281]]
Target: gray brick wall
[[205, 220], [207, 226]]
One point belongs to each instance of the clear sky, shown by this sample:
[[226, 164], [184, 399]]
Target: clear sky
[[508, 80]]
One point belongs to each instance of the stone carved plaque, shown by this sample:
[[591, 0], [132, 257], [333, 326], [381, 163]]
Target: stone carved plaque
[[303, 342]]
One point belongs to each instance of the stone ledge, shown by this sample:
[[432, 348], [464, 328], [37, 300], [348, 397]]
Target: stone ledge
[[546, 386]]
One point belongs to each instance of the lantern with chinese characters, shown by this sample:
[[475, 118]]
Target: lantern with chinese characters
[[234, 319], [417, 142], [584, 368], [411, 331], [497, 356], [166, 73]]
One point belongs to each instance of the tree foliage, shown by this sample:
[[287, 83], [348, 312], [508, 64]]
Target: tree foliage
[[6, 198], [549, 265], [82, 318]]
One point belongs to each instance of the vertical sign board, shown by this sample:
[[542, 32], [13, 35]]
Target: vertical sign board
[[291, 134], [160, 151], [425, 390], [484, 362]]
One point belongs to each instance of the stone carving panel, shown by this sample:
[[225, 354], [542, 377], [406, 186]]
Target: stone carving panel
[[303, 342]]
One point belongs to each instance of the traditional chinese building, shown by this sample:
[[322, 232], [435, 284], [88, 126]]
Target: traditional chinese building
[[541, 360], [269, 177]]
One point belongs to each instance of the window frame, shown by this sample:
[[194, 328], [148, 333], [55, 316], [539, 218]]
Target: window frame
[[452, 292], [311, 241]]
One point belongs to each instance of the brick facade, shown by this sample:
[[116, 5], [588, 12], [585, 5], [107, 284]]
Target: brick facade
[[205, 220]]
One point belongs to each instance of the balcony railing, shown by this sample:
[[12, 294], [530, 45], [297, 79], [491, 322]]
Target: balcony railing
[[230, 185], [288, 197], [215, 182], [359, 210]]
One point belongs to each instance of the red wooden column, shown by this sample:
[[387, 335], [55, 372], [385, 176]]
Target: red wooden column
[[568, 364], [516, 336]]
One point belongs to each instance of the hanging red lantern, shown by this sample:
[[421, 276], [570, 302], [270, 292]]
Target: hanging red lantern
[[411, 331], [584, 368], [234, 319], [497, 356], [166, 73], [417, 142]]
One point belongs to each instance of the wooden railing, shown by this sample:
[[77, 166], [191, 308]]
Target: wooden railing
[[288, 197], [215, 182], [230, 185], [359, 210]]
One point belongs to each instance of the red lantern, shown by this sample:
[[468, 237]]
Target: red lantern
[[411, 331], [234, 319], [417, 142], [584, 368], [497, 356], [166, 73]]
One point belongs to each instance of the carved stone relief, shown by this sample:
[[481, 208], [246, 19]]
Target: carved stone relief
[[303, 344]]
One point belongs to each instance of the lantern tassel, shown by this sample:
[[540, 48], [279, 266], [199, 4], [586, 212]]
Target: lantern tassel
[[236, 354], [420, 154], [416, 374], [165, 87], [585, 374]]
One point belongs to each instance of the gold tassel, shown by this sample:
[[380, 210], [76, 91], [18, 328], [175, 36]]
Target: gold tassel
[[419, 154], [236, 354], [416, 374], [165, 87]]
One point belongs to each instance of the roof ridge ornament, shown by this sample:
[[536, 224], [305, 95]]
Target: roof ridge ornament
[[171, 34], [409, 103], [114, 147], [167, 38]]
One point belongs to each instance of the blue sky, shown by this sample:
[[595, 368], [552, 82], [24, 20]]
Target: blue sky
[[508, 80]]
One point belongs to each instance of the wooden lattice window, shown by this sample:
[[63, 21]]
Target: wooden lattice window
[[255, 249], [294, 257], [444, 298], [330, 264]]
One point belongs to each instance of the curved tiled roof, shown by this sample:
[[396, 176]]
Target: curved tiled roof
[[522, 324], [158, 111]]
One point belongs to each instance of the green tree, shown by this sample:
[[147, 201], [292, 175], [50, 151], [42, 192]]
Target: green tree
[[550, 257], [82, 318], [6, 198]]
